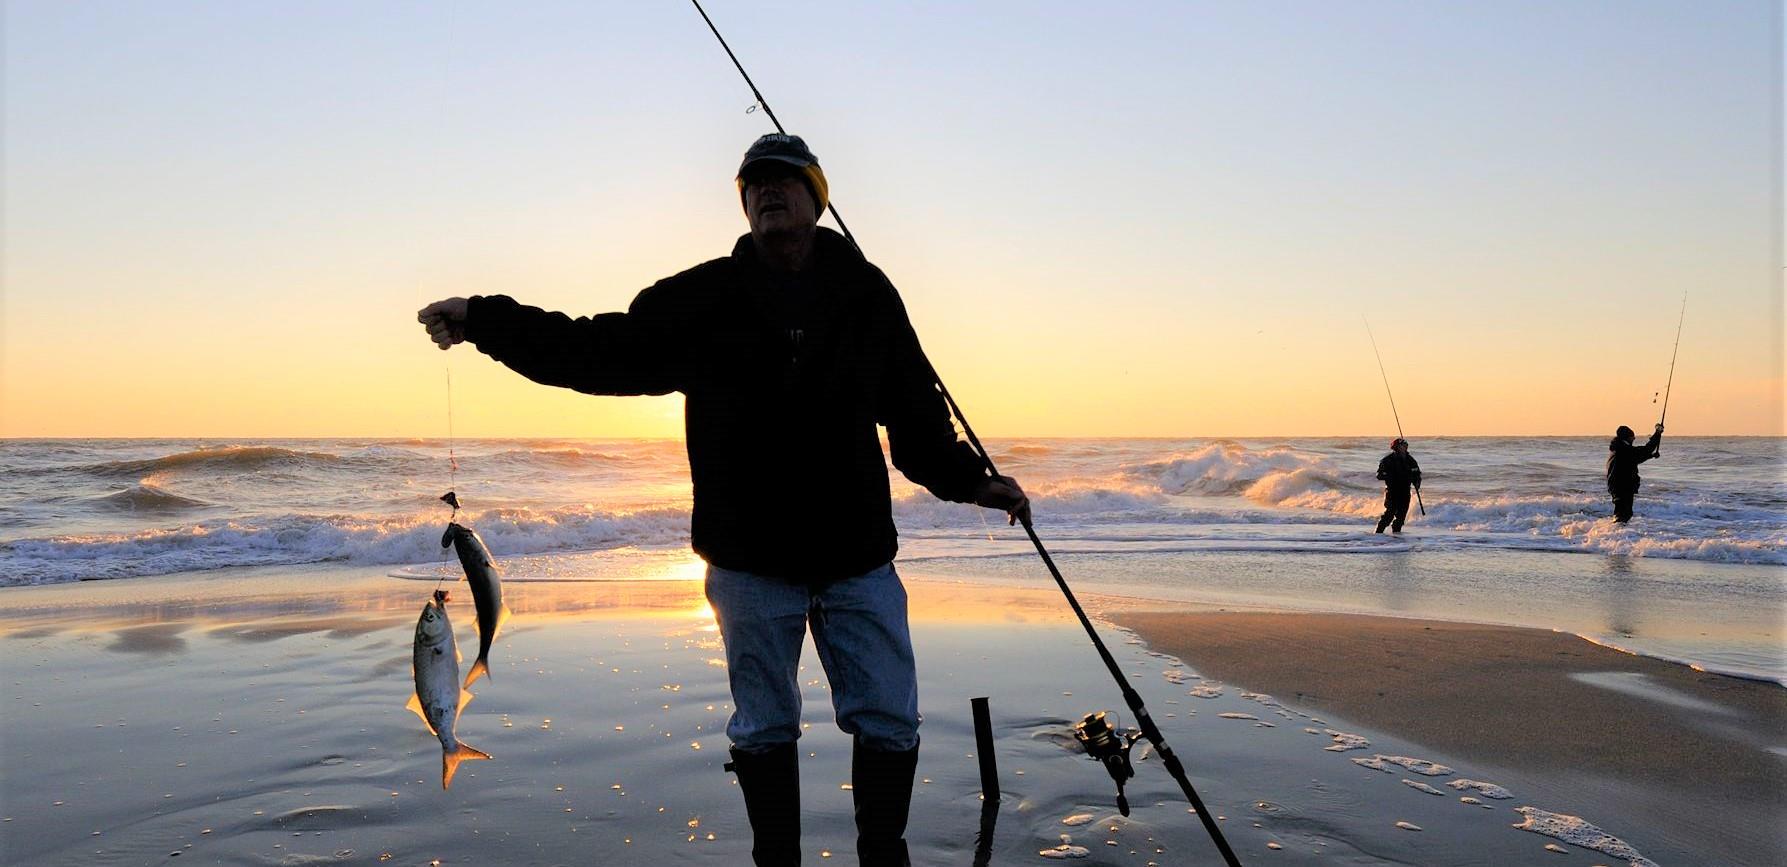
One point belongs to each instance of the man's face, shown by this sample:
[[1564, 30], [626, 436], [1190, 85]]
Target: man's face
[[777, 199]]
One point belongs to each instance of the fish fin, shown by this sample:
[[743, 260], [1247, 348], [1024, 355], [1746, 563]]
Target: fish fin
[[415, 704], [478, 668], [465, 698], [450, 761], [502, 617]]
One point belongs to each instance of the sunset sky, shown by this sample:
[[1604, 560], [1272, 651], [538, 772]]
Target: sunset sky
[[1144, 219]]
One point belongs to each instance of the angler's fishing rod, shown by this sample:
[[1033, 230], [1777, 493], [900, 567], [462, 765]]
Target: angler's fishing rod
[[1149, 729], [1671, 383], [1393, 413]]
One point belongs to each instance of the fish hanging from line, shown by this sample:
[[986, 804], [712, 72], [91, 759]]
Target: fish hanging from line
[[487, 589], [439, 698]]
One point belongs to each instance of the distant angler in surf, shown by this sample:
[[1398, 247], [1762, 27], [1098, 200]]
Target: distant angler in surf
[[1623, 459], [1398, 471]]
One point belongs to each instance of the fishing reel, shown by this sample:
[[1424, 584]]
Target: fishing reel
[[1110, 748]]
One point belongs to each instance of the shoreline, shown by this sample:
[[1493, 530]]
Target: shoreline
[[1547, 707]]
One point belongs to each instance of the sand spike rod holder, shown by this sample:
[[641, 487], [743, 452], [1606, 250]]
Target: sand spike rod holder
[[1143, 719]]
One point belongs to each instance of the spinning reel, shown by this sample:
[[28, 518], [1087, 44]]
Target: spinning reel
[[1110, 748]]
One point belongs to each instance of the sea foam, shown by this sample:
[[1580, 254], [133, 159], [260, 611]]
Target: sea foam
[[1576, 831]]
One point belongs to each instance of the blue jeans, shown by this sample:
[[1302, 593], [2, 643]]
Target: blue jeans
[[863, 640]]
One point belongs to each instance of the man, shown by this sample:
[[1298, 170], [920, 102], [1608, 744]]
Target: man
[[1397, 470], [1623, 459], [789, 352]]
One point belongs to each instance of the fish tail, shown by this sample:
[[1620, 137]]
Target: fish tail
[[450, 760], [479, 668]]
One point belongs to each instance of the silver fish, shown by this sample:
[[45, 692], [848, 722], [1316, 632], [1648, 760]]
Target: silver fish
[[439, 698], [487, 591]]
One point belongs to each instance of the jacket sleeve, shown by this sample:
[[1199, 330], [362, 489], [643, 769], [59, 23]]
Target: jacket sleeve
[[610, 353], [1383, 469], [1649, 450], [1415, 471], [920, 432]]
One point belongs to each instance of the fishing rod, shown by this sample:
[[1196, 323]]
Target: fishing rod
[[1133, 699], [1393, 413], [1671, 383]]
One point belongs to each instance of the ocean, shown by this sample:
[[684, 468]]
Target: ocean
[[1517, 529]]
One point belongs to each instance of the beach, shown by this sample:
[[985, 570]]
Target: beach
[[208, 653], [1696, 757], [256, 717]]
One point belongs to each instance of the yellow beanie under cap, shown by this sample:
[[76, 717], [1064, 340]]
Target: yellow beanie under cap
[[815, 178]]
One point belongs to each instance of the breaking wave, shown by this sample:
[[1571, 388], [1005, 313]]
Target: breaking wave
[[300, 539], [302, 501], [1225, 468], [219, 459], [146, 497]]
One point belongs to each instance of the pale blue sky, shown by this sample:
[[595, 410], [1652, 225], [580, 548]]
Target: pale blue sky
[[1158, 218]]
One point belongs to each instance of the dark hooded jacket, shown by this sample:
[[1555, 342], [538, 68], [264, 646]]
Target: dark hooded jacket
[[1398, 471], [785, 381], [1623, 459]]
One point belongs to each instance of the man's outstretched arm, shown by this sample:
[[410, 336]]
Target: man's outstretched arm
[[611, 353]]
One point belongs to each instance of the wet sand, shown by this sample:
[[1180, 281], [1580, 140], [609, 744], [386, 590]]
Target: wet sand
[[1706, 752], [256, 717]]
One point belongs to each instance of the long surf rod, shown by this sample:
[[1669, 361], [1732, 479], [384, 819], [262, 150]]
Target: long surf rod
[[1677, 351], [1393, 413], [1130, 697]]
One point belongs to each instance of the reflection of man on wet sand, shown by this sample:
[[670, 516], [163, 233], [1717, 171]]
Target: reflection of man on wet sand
[[790, 352]]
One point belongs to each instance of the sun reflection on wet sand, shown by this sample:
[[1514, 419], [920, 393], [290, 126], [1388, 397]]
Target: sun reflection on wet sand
[[346, 602]]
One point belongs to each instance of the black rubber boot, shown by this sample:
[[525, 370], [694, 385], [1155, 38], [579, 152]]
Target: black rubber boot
[[881, 784], [771, 783]]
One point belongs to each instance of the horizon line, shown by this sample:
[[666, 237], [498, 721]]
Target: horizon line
[[12, 438]]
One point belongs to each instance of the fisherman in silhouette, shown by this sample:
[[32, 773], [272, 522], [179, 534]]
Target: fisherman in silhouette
[[1623, 459], [790, 351], [1398, 470]]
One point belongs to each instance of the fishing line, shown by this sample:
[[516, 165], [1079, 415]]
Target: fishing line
[[452, 457], [1132, 698], [451, 498], [1393, 413]]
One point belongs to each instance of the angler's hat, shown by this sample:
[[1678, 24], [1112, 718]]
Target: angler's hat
[[789, 149], [1624, 433], [1399, 441]]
